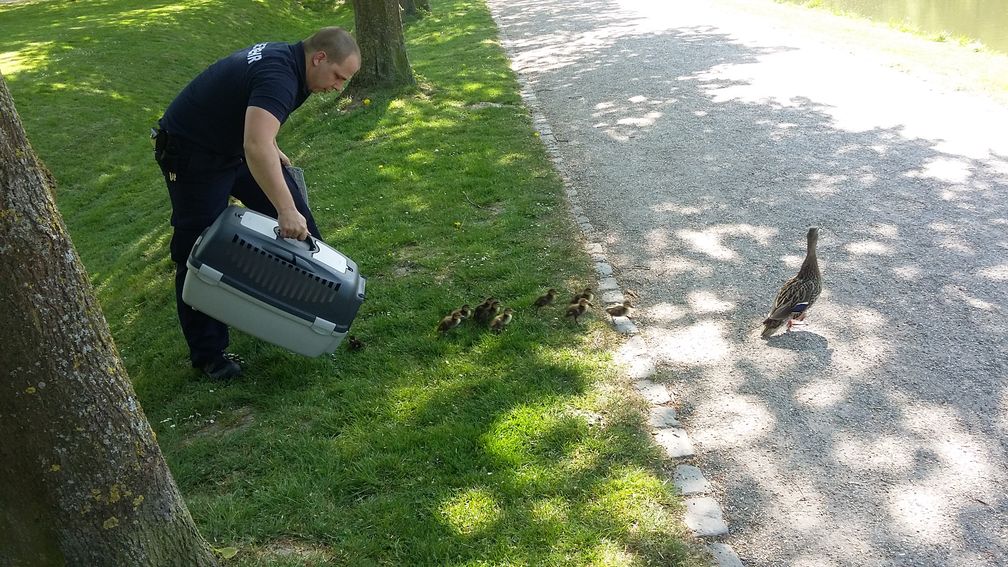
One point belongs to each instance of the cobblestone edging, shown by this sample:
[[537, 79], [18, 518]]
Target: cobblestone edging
[[703, 514]]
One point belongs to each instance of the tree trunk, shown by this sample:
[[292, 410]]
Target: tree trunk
[[383, 48], [82, 480]]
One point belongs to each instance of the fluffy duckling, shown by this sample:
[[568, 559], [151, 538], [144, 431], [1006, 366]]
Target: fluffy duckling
[[620, 310], [797, 294], [578, 309], [489, 313], [544, 300], [501, 321], [353, 343], [463, 312], [449, 322], [481, 309], [586, 293]]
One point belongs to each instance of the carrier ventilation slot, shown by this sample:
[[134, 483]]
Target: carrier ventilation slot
[[257, 266]]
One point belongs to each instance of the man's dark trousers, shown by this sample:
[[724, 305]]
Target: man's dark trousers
[[199, 185]]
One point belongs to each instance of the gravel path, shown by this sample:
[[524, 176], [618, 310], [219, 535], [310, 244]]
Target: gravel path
[[702, 142]]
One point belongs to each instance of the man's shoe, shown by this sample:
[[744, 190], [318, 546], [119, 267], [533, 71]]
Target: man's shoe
[[221, 367]]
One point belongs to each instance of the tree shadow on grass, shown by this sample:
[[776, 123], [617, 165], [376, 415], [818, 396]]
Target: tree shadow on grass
[[447, 458]]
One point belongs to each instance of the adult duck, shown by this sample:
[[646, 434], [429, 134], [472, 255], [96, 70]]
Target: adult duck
[[797, 294]]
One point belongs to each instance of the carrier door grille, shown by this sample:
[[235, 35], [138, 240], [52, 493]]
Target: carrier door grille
[[278, 278]]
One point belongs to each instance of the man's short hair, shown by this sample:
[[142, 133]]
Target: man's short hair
[[336, 42]]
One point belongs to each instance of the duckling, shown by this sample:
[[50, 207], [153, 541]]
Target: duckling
[[578, 309], [586, 293], [797, 294], [489, 313], [619, 310], [544, 300], [353, 343], [501, 321], [463, 312], [481, 309], [449, 322]]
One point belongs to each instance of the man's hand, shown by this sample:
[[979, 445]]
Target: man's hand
[[292, 224], [284, 160]]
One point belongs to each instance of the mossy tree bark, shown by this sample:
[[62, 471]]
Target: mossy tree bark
[[82, 480], [379, 33]]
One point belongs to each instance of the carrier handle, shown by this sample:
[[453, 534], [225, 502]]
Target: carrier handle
[[308, 243]]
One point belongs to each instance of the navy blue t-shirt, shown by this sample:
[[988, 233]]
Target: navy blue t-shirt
[[210, 111]]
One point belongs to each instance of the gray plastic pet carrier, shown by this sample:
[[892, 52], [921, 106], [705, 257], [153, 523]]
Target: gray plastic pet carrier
[[301, 295]]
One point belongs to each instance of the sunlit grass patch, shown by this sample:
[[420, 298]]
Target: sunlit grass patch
[[139, 17], [471, 512], [27, 58]]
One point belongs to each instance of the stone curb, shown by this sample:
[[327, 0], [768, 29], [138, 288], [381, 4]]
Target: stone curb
[[724, 555], [704, 516]]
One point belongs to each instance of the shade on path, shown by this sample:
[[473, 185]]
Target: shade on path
[[703, 141]]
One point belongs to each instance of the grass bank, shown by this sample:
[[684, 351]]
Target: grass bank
[[523, 448]]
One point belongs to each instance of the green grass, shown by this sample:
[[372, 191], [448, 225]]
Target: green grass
[[904, 25], [524, 448]]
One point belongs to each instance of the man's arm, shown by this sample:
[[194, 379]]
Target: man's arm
[[284, 160], [263, 157]]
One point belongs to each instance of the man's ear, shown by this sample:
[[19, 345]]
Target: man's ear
[[318, 57]]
